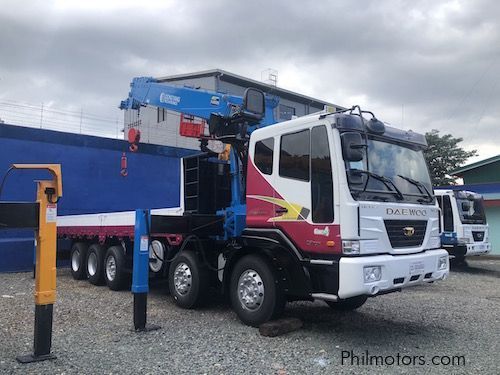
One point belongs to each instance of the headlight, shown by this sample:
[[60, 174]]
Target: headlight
[[372, 273], [463, 240], [443, 262], [350, 247]]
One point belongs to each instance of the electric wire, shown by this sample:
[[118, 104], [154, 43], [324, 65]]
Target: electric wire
[[47, 117]]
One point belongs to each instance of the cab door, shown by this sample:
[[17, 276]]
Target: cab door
[[304, 208], [260, 182]]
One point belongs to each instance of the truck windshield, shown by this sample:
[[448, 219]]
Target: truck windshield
[[402, 165], [470, 208]]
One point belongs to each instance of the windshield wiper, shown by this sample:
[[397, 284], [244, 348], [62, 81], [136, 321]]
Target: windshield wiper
[[420, 186], [389, 184]]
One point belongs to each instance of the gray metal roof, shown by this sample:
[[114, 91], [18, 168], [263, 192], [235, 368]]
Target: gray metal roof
[[477, 164], [246, 82]]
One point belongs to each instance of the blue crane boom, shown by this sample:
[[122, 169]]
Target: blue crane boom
[[195, 102], [230, 118]]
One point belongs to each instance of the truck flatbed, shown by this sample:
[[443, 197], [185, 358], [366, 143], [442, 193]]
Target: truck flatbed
[[106, 224]]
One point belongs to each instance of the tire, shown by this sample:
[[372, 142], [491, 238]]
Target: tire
[[261, 298], [114, 268], [95, 264], [157, 256], [459, 260], [348, 304], [78, 258], [188, 280]]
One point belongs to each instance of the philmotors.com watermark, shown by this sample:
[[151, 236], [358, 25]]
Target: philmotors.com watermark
[[352, 358]]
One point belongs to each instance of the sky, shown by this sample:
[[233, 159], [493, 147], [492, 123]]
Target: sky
[[418, 65]]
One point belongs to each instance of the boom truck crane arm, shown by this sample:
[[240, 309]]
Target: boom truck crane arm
[[224, 113], [231, 119]]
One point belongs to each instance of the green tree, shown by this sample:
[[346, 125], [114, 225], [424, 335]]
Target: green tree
[[444, 155]]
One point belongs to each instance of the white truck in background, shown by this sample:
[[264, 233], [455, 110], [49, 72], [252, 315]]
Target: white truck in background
[[464, 231]]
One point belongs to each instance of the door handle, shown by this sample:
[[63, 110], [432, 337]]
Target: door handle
[[281, 210]]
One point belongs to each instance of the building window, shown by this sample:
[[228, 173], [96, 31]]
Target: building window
[[263, 157], [321, 176], [286, 112], [294, 155], [160, 114]]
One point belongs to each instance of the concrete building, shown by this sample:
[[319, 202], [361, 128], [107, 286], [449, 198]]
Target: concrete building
[[483, 177], [159, 126]]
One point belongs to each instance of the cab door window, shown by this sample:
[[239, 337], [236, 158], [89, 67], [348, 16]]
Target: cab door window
[[447, 214], [264, 155], [321, 176], [294, 155]]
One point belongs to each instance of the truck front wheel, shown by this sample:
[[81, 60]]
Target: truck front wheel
[[188, 280], [348, 304], [256, 295], [78, 258], [114, 268]]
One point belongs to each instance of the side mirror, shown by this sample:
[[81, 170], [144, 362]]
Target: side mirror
[[354, 177], [465, 206], [254, 104], [352, 146]]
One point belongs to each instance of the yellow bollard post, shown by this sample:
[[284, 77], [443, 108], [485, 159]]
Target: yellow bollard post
[[48, 194]]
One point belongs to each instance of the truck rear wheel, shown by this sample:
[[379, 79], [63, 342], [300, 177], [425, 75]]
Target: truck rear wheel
[[78, 258], [348, 304], [95, 264], [114, 268], [256, 296], [188, 280], [157, 252]]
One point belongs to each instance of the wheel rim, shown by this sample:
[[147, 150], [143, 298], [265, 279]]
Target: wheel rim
[[92, 264], [251, 290], [156, 254], [182, 279], [111, 268], [75, 260]]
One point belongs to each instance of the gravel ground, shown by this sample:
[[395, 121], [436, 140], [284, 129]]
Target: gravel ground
[[92, 331]]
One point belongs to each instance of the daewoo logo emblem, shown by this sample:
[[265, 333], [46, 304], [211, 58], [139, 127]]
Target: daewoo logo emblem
[[408, 231]]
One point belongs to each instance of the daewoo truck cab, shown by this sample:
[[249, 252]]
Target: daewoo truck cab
[[350, 196], [331, 206], [463, 223]]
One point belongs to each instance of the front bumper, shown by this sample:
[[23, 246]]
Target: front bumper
[[398, 271], [478, 248]]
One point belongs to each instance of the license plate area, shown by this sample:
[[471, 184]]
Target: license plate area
[[416, 268]]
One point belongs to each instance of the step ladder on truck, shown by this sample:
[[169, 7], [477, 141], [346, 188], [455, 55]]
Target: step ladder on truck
[[334, 206]]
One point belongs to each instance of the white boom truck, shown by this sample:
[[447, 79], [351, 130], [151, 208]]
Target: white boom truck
[[463, 223], [329, 206]]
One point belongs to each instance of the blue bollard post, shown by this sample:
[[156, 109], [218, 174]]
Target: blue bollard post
[[140, 271]]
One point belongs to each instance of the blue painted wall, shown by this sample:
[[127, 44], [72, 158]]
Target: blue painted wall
[[91, 179]]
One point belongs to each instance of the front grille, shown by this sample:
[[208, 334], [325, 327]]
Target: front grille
[[396, 230], [478, 236]]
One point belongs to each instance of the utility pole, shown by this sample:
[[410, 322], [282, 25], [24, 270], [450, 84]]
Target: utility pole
[[402, 115], [81, 115], [41, 116]]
